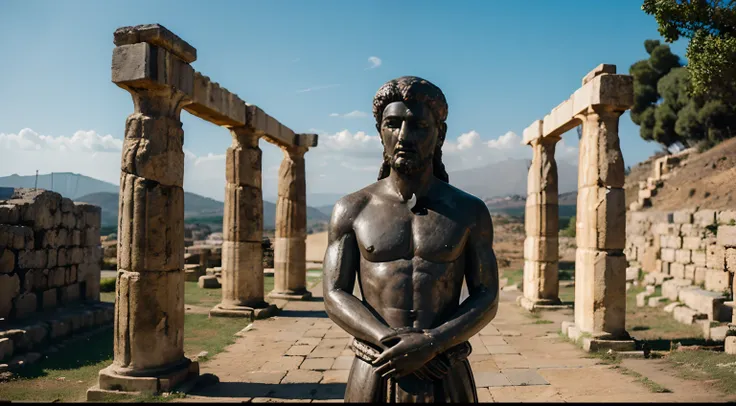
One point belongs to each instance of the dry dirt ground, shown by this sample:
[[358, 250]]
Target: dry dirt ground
[[706, 180]]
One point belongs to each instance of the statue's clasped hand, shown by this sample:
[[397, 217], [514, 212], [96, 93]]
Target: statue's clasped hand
[[406, 352]]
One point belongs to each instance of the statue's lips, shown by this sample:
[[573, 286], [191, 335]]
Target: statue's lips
[[404, 151]]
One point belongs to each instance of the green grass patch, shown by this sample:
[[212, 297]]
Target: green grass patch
[[66, 375], [542, 321], [702, 365], [514, 276], [107, 284], [656, 327], [648, 383]]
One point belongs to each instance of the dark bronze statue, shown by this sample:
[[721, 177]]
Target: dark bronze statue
[[410, 240]]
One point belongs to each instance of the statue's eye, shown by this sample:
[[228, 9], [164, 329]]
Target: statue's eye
[[390, 123]]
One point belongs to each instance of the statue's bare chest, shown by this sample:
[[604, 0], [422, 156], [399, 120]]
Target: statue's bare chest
[[390, 231]]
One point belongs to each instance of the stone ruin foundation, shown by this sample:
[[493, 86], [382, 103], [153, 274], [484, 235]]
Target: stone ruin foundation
[[49, 274], [154, 66], [691, 255], [600, 265]]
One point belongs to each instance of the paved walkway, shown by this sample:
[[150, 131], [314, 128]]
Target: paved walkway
[[302, 356]]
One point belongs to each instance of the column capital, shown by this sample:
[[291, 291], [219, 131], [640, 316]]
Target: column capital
[[244, 137], [295, 151]]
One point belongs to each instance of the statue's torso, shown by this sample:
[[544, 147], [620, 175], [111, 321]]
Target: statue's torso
[[412, 265]]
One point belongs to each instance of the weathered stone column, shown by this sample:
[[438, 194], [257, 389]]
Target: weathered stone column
[[242, 255], [600, 264], [541, 278], [290, 275], [149, 305]]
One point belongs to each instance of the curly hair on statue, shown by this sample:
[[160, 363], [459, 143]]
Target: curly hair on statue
[[414, 89]]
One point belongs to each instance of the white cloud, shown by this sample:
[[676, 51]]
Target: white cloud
[[506, 141], [375, 62], [320, 87], [352, 114], [81, 141], [343, 162]]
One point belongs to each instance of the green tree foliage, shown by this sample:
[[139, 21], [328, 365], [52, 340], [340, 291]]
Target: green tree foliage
[[710, 25], [656, 122], [667, 109]]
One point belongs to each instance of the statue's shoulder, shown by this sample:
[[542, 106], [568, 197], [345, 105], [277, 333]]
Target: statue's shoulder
[[464, 199], [349, 206]]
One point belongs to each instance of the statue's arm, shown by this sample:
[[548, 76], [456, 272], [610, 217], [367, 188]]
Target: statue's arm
[[481, 276], [340, 267]]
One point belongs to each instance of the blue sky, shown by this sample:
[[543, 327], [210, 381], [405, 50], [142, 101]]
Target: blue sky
[[500, 64]]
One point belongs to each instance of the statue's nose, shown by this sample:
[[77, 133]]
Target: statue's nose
[[404, 131]]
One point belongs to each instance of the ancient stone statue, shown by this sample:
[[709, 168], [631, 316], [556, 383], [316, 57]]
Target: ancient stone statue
[[410, 240]]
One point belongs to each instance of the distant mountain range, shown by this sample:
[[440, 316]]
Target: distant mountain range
[[105, 195]]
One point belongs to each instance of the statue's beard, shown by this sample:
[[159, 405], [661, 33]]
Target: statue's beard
[[407, 165]]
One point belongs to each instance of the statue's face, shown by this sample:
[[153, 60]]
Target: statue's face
[[409, 132]]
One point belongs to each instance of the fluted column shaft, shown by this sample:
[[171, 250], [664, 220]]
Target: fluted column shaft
[[291, 227], [600, 264], [149, 305], [541, 279]]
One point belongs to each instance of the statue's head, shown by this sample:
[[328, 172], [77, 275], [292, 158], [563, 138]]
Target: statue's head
[[410, 115]]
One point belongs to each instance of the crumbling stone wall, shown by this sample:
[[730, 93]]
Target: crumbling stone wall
[[50, 253], [681, 245]]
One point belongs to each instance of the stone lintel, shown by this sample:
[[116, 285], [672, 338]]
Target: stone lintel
[[137, 65], [158, 35], [601, 69], [211, 102], [306, 140], [614, 91], [534, 132], [268, 127]]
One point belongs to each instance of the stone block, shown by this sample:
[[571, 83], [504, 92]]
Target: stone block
[[691, 230], [670, 241], [715, 257], [9, 289], [7, 260], [729, 344], [699, 277], [58, 329], [690, 271], [726, 217], [160, 218], [48, 299], [731, 260], [62, 258], [145, 302], [600, 292], [726, 236], [208, 282], [544, 249], [686, 315], [632, 273], [9, 214], [692, 243], [671, 307], [703, 301], [672, 287], [667, 254], [665, 267], [69, 294], [244, 221], [677, 270], [656, 278], [602, 222], [682, 217], [28, 259], [683, 256], [704, 217], [698, 258], [641, 298], [656, 301], [52, 256], [76, 237], [717, 281], [25, 305], [6, 349], [57, 277]]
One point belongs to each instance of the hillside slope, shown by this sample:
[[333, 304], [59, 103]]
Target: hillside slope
[[705, 181], [67, 184], [195, 206]]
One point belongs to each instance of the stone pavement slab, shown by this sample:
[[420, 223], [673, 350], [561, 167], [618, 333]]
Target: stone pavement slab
[[300, 355]]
